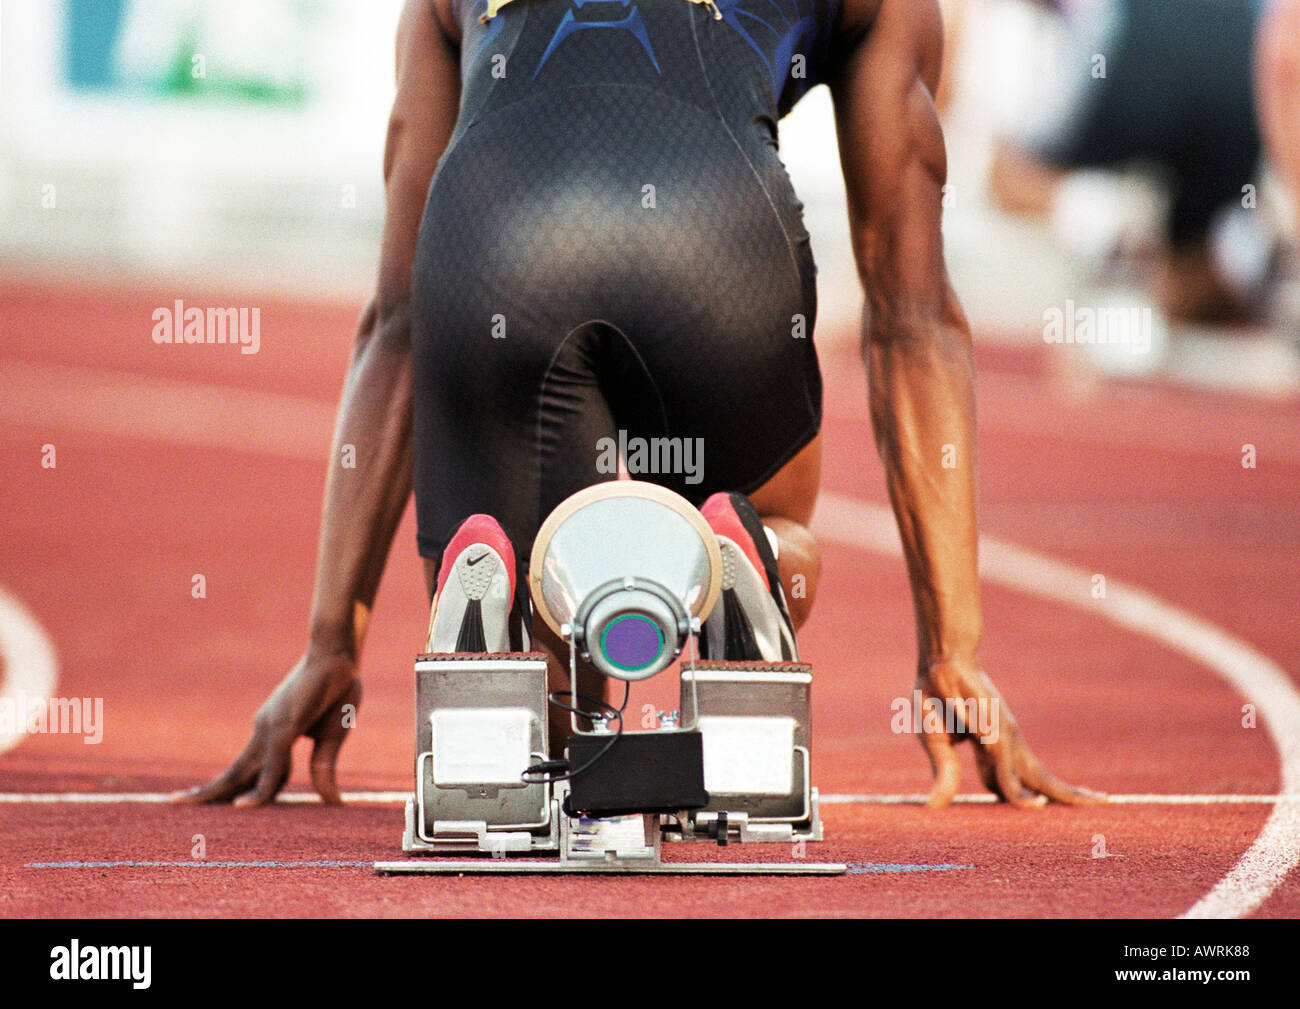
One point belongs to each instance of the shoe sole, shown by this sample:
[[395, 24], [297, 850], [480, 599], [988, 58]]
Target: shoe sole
[[731, 632], [471, 612]]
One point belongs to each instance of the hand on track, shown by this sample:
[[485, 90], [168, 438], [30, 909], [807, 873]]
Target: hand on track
[[308, 702], [1006, 765]]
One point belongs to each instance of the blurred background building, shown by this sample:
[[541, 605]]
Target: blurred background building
[[237, 144]]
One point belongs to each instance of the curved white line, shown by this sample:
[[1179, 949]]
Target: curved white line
[[1276, 850], [30, 668]]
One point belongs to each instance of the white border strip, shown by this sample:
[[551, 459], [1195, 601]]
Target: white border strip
[[1276, 851], [162, 798], [397, 798], [987, 798], [30, 667]]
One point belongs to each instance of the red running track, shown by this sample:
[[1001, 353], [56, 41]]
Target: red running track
[[177, 461]]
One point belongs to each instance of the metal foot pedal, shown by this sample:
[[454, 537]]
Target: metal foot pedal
[[756, 718], [480, 721]]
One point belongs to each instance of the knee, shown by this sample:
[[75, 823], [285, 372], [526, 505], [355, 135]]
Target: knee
[[799, 562]]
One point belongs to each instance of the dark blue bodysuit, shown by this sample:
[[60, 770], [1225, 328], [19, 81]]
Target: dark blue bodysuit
[[612, 244]]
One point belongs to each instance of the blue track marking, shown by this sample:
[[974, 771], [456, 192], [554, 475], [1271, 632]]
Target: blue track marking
[[855, 868], [859, 868]]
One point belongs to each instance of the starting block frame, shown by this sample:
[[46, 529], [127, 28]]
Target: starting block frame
[[466, 816], [749, 701], [577, 848], [625, 846], [510, 827]]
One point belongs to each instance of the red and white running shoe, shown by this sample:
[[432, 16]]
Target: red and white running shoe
[[475, 596], [750, 621]]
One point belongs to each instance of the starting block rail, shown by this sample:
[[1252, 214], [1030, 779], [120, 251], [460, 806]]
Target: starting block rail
[[524, 867], [732, 765], [473, 710]]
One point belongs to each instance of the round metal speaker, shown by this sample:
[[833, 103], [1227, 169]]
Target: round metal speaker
[[620, 569]]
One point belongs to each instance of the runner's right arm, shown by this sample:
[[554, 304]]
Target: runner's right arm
[[363, 504]]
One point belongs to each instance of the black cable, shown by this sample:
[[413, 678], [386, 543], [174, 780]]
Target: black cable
[[548, 765]]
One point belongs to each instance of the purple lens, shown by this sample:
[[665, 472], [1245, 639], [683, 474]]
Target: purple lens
[[631, 642]]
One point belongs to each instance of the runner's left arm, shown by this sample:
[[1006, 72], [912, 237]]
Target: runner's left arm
[[916, 344]]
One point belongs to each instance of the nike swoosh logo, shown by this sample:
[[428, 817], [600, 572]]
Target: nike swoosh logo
[[475, 560]]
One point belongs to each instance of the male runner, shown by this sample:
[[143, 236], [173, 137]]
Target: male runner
[[1161, 83], [611, 245], [1279, 90]]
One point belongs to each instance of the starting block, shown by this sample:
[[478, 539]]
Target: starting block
[[757, 726], [480, 722], [629, 595]]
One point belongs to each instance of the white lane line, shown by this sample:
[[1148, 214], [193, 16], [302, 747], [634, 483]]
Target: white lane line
[[1017, 404], [831, 799], [165, 410], [986, 798], [29, 666], [1276, 851], [163, 798]]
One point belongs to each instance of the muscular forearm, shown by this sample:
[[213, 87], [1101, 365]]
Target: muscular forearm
[[369, 480], [364, 501], [921, 382]]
